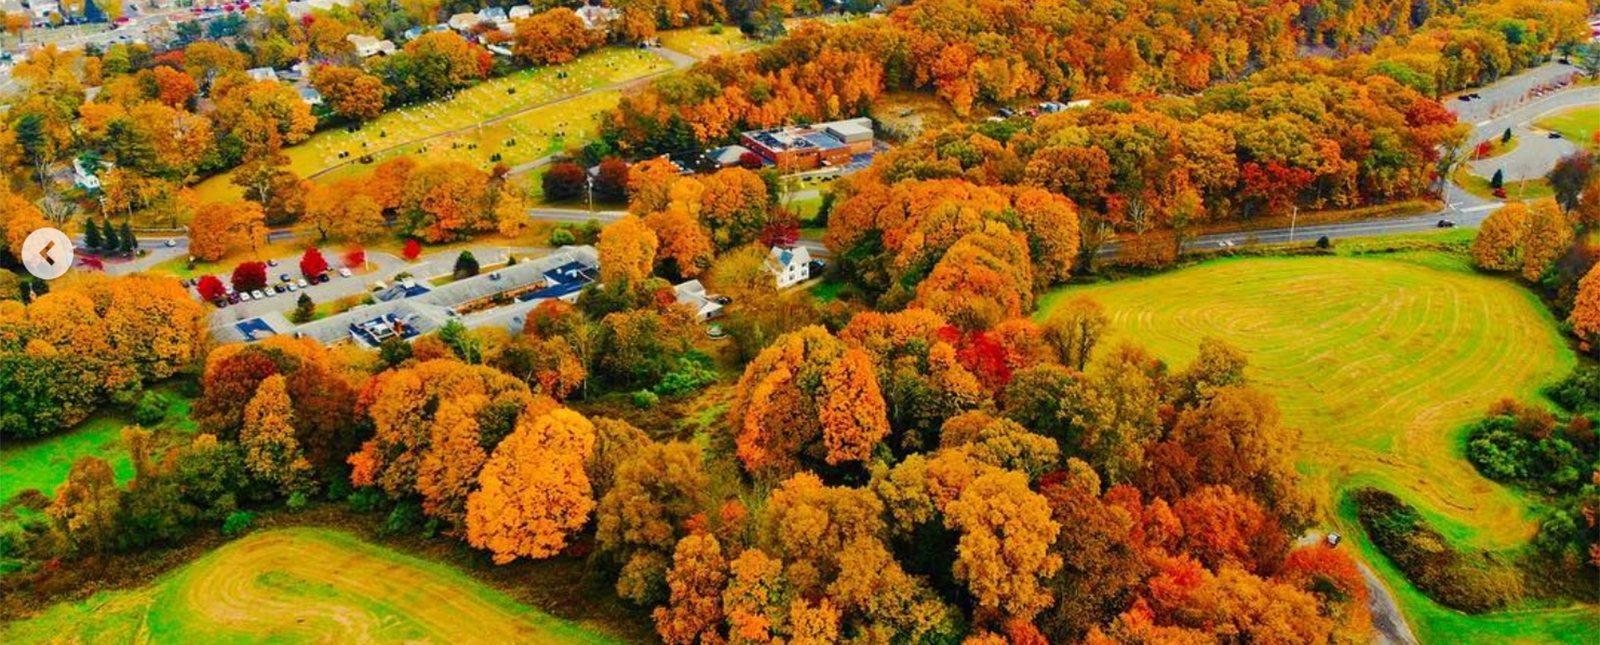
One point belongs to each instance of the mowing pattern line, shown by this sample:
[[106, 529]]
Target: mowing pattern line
[[1379, 362]]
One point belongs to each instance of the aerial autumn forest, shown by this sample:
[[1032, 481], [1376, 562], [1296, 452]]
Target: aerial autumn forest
[[716, 322]]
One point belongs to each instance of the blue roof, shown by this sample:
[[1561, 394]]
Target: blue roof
[[253, 326]]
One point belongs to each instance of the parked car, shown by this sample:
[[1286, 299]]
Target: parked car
[[1554, 135], [344, 273], [302, 282], [292, 287], [246, 297], [1445, 223], [272, 263], [170, 243], [233, 298], [258, 295]]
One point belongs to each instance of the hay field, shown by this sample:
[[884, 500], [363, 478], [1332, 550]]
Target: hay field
[[301, 585]]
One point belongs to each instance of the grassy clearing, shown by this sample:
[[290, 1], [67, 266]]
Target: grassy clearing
[[1578, 125], [302, 585], [42, 464], [1380, 362], [1526, 189], [535, 133], [705, 42]]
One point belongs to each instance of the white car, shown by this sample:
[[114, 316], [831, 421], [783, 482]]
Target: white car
[[344, 273], [292, 287], [258, 295], [302, 283], [244, 296]]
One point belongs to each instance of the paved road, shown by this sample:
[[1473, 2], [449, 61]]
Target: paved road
[[1535, 153]]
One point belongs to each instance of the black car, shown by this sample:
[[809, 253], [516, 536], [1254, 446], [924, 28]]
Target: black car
[[1554, 135], [1444, 223]]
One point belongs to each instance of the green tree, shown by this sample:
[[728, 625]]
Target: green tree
[[109, 240], [466, 265], [128, 243], [304, 309], [1505, 137], [1498, 181], [91, 235]]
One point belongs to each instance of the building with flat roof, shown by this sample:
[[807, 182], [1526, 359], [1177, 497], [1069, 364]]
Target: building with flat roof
[[795, 149]]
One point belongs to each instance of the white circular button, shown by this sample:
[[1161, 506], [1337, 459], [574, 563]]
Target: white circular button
[[47, 253]]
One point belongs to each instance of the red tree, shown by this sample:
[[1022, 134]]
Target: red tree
[[412, 250], [750, 160], [312, 263], [781, 231], [355, 257], [211, 288], [249, 276]]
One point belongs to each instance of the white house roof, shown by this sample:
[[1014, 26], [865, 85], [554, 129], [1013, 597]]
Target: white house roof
[[262, 74]]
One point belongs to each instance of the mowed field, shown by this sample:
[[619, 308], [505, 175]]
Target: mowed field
[[537, 97], [301, 585], [1578, 125], [1379, 362]]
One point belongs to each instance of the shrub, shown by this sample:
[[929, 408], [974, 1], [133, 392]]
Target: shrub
[[1473, 583], [1579, 391], [562, 236], [366, 499], [692, 373], [645, 399], [237, 523], [297, 501], [151, 409], [1323, 242]]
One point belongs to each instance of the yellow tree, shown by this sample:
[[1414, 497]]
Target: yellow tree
[[1549, 236], [1498, 245], [643, 515], [807, 389], [1585, 317], [271, 452], [684, 243], [453, 459], [533, 494], [693, 615], [86, 505], [1004, 551], [18, 219], [650, 185], [627, 251]]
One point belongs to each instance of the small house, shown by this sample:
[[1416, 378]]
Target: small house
[[693, 294], [790, 266], [262, 74]]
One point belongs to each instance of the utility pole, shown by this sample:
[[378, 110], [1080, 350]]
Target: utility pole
[[1294, 216]]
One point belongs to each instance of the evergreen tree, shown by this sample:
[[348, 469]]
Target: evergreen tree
[[466, 265], [1506, 136], [129, 242], [1498, 181], [108, 237], [304, 309], [91, 235]]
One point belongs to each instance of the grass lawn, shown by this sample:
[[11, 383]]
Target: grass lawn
[[1526, 189], [705, 42], [534, 132], [1379, 362], [302, 585], [42, 464], [1578, 125], [1496, 148]]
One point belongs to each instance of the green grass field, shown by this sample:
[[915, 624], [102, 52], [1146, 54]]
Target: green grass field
[[42, 463], [1380, 362], [302, 585], [1578, 125], [534, 132]]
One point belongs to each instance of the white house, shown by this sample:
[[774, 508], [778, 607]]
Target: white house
[[520, 11], [367, 46], [309, 95], [85, 177], [463, 22], [790, 266], [597, 17], [693, 293], [262, 74]]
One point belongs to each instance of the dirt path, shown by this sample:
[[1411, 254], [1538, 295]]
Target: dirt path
[[1387, 621]]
